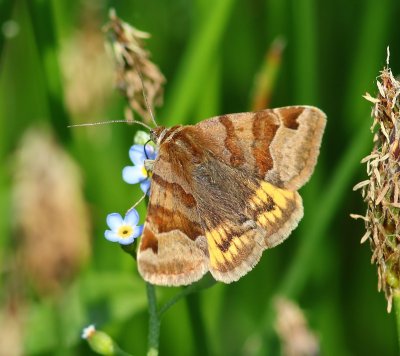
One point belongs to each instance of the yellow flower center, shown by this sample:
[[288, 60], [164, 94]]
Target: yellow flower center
[[125, 231], [146, 173]]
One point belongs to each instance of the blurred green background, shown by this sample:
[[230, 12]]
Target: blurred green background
[[54, 72]]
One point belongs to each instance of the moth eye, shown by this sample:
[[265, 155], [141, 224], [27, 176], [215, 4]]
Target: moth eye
[[153, 136]]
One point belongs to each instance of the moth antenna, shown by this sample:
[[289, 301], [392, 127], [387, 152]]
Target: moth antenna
[[113, 122], [145, 99]]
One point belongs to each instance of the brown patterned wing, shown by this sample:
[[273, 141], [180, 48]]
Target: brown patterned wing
[[173, 248], [241, 216], [279, 145], [267, 156], [224, 190]]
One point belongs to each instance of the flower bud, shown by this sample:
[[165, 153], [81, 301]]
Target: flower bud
[[99, 341]]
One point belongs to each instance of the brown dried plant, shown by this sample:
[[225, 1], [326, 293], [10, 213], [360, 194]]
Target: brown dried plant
[[265, 79], [134, 70], [293, 330], [381, 191], [51, 222]]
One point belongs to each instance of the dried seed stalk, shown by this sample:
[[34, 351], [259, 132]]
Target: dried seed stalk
[[382, 221], [133, 66]]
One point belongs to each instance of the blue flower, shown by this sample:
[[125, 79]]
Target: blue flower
[[138, 173], [124, 230]]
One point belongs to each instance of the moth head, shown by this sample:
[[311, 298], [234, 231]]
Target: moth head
[[157, 134]]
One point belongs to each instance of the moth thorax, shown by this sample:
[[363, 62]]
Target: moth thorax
[[157, 134]]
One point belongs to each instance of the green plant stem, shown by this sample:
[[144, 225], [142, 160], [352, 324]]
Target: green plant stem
[[396, 305], [204, 283], [196, 61], [155, 316], [119, 352], [330, 201], [154, 321], [176, 298], [197, 323], [368, 56], [41, 14], [305, 50], [58, 314]]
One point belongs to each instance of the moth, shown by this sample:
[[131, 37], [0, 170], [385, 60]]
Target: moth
[[224, 190]]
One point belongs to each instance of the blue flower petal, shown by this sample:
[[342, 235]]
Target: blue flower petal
[[137, 155], [126, 240], [114, 220], [132, 217], [145, 186], [133, 174], [111, 236], [151, 153], [137, 231], [114, 237]]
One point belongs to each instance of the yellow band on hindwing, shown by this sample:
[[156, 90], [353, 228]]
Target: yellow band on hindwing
[[219, 237], [268, 204], [270, 201], [216, 255]]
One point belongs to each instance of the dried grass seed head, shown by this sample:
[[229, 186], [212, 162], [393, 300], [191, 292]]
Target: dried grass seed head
[[135, 73], [51, 220], [381, 191]]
